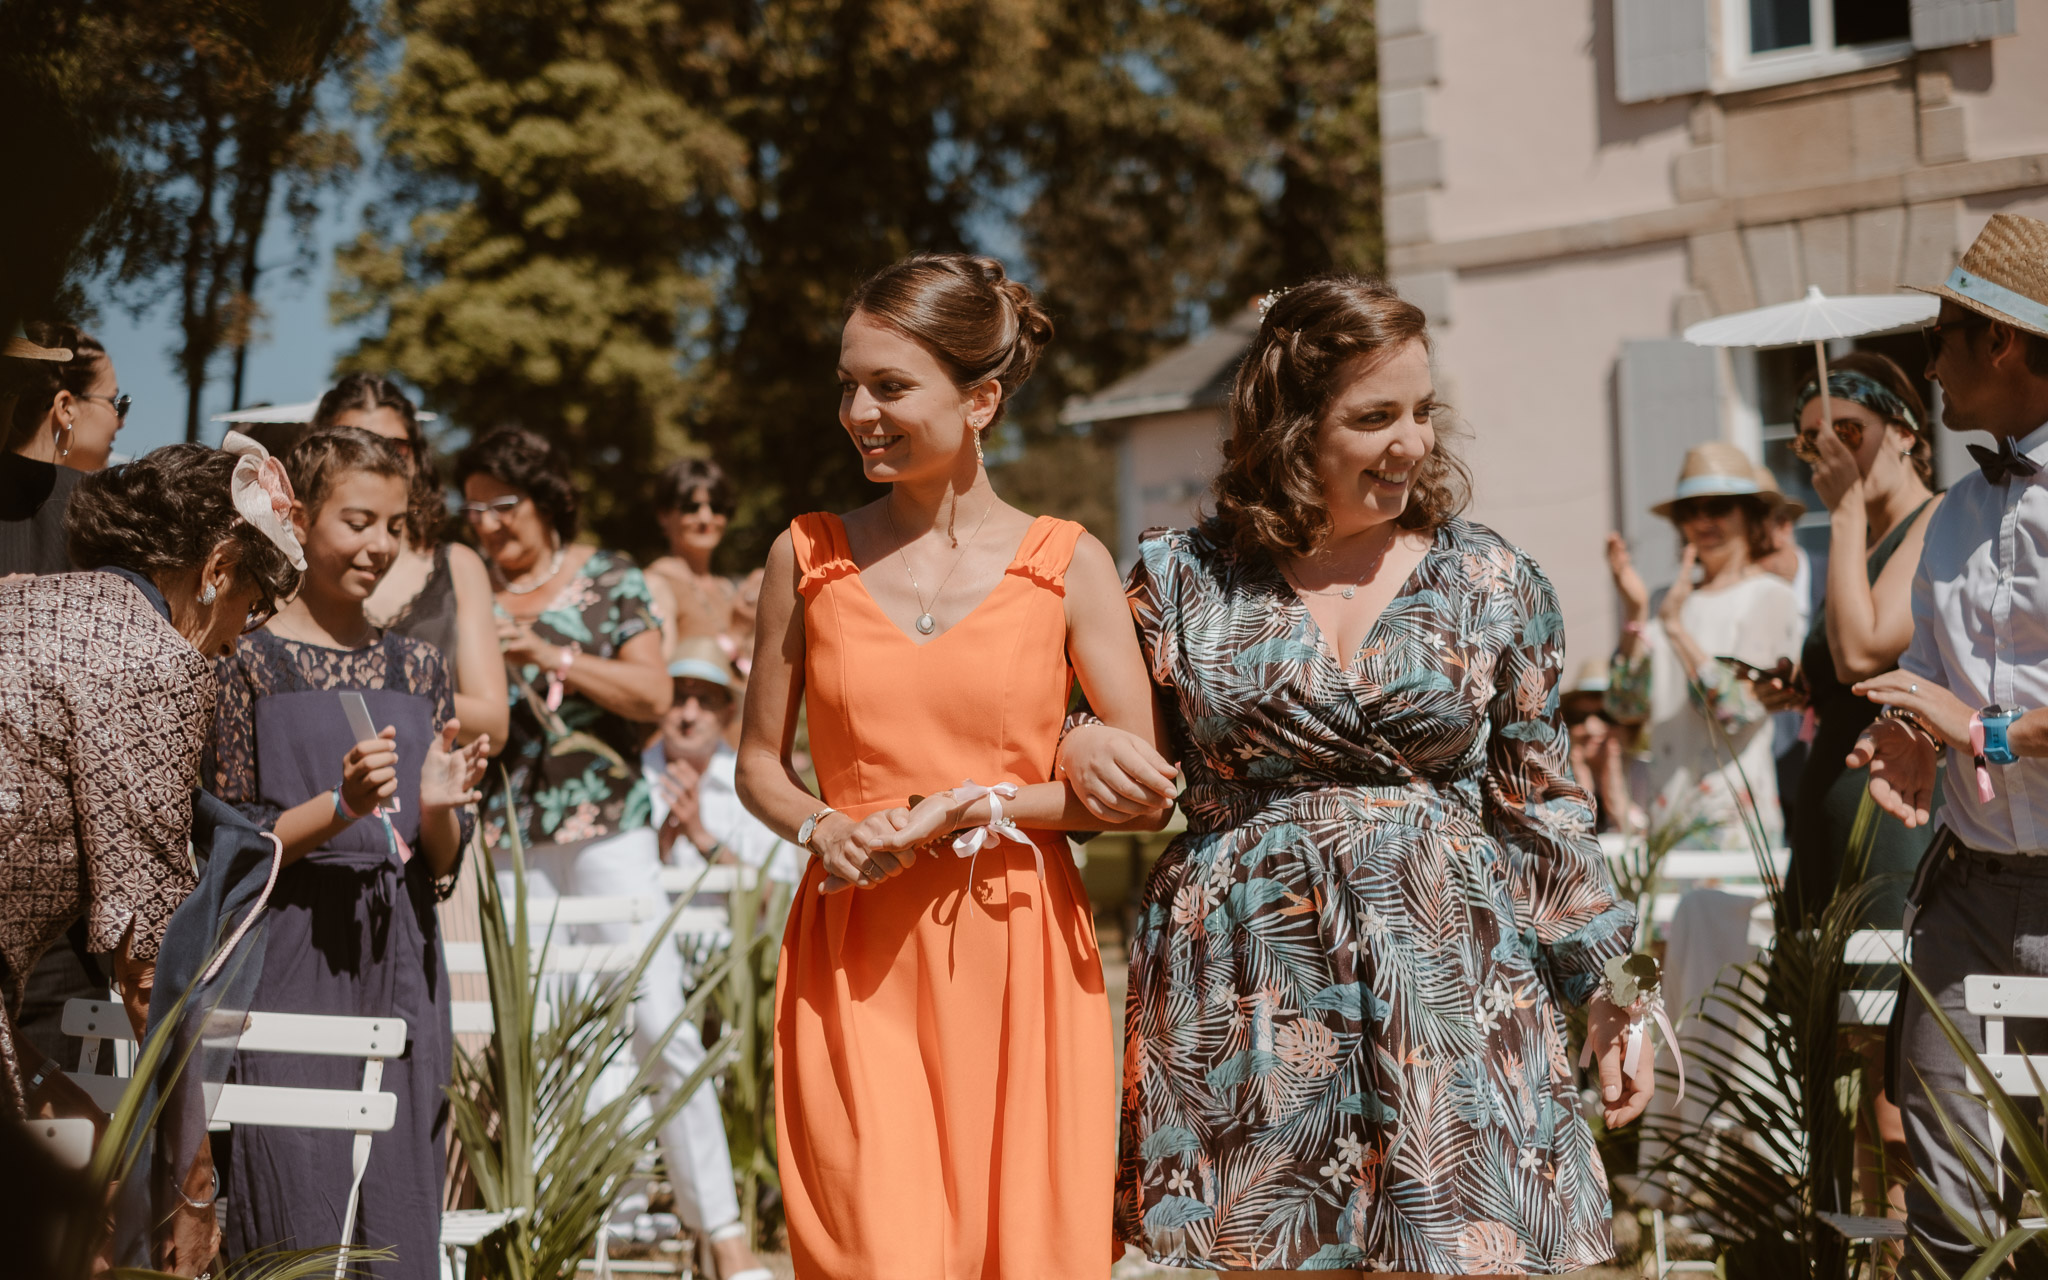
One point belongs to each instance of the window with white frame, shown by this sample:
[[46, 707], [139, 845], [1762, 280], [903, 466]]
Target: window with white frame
[[1772, 41]]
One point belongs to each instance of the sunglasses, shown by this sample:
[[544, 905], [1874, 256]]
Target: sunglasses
[[496, 508], [259, 616], [119, 402], [703, 502], [1715, 508], [1576, 716], [1934, 333], [1806, 445]]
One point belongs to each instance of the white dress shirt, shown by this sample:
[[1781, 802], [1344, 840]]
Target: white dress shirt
[[718, 804], [1980, 630]]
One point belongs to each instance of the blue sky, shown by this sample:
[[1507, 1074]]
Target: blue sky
[[293, 360]]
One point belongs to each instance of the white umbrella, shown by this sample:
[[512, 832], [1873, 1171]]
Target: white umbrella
[[302, 412], [1815, 318]]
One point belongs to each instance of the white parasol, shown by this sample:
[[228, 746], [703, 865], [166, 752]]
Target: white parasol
[[302, 412], [1815, 318]]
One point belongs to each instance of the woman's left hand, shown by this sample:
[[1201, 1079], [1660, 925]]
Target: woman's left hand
[[1836, 478], [522, 647], [1623, 1096], [1938, 709], [449, 774]]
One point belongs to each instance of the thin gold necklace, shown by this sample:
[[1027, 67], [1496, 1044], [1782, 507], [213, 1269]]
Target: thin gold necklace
[[1350, 589], [925, 623]]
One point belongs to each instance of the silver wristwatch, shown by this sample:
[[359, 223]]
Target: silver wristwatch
[[810, 827]]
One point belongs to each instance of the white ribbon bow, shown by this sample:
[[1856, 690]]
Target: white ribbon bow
[[972, 841], [1644, 1011], [262, 495]]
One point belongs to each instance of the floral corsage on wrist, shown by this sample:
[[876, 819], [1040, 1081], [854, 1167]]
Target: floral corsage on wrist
[[1634, 984]]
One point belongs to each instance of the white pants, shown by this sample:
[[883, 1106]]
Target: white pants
[[627, 865]]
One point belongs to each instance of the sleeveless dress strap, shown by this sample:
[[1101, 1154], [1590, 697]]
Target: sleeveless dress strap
[[1047, 550], [822, 553]]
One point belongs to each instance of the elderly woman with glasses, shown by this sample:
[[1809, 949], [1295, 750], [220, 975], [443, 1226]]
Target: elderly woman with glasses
[[583, 644], [109, 695], [1712, 775]]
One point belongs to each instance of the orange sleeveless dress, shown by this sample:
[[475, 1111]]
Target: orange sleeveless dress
[[944, 1091]]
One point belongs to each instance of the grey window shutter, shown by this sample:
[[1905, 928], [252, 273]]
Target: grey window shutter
[[1937, 24], [1661, 49], [1669, 395]]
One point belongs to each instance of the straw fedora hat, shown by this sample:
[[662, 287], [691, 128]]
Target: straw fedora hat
[[1768, 483], [2004, 275], [1719, 469]]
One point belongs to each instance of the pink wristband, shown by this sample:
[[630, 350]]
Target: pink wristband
[[558, 678]]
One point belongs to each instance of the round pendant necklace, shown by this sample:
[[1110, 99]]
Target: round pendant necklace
[[925, 623], [554, 567], [1349, 590]]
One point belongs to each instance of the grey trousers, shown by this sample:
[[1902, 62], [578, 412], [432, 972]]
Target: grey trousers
[[1978, 914]]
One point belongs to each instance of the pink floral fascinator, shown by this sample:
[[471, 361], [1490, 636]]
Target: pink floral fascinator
[[263, 495]]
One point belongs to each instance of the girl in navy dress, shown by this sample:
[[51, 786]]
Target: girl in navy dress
[[373, 835]]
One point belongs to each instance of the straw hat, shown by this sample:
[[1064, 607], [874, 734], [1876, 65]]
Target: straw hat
[[700, 658], [1591, 678], [1767, 482], [2004, 275], [1719, 469]]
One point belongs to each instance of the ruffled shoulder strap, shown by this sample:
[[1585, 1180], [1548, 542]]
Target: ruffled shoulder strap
[[1047, 550], [822, 554]]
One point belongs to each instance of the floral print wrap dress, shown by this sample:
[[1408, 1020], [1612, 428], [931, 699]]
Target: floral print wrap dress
[[1343, 1043]]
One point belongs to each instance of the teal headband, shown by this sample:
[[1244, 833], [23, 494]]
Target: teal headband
[[1847, 384]]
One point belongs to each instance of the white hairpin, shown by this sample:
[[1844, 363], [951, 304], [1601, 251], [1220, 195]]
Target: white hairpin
[[1266, 302], [262, 494]]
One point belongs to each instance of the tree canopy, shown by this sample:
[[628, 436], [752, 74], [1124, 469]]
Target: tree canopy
[[633, 223]]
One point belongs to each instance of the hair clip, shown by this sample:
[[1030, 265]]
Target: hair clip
[[1266, 301]]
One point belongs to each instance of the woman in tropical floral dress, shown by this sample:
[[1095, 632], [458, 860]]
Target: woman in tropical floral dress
[[1343, 1042]]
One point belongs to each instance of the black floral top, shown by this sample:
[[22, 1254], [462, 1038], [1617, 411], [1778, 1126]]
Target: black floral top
[[267, 664], [575, 772]]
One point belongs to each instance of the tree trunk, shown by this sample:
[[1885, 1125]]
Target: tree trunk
[[199, 294]]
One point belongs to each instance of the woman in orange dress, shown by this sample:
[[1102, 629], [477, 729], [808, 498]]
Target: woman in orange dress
[[945, 1093]]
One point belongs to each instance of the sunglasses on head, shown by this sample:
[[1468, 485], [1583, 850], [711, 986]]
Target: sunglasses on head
[[1806, 445], [1712, 508]]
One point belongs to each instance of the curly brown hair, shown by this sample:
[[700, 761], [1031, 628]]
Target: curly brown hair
[[427, 514], [1268, 498]]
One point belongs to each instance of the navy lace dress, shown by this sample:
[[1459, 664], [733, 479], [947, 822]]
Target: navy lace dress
[[351, 931]]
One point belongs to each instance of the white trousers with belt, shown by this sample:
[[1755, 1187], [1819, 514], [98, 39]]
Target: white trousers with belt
[[628, 865]]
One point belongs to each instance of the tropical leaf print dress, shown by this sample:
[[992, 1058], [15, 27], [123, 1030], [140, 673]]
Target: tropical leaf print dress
[[1343, 1046]]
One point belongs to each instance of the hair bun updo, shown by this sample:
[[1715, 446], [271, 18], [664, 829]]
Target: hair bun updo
[[967, 311]]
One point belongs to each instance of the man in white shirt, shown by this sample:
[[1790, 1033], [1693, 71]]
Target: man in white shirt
[[1979, 658], [690, 772]]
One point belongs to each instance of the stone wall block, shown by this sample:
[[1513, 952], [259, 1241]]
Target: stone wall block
[[1720, 271], [1430, 290], [1942, 139], [1883, 135], [1398, 17], [1412, 163], [1404, 113], [1691, 307], [1774, 264], [1406, 218], [1931, 249], [1698, 174], [1876, 238], [1824, 253], [1408, 62]]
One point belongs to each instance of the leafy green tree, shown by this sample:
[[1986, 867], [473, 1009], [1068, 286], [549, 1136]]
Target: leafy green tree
[[215, 114], [562, 176]]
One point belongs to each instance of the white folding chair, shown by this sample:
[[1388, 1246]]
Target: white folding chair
[[69, 1141], [365, 1112], [1871, 1007]]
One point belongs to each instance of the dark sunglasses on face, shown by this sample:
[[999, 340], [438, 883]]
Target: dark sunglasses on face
[[259, 616], [118, 401], [1935, 333], [1714, 508], [1806, 445], [702, 502]]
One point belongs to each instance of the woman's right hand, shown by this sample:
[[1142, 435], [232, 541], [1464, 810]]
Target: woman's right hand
[[1115, 774], [369, 772], [846, 847], [1622, 567]]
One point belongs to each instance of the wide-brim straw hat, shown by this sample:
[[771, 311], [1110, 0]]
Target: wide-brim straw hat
[[1590, 680], [1718, 469], [1769, 484], [2004, 275], [700, 658]]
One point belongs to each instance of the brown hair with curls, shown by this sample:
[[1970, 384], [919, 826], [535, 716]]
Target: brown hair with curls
[[1268, 498], [427, 515], [965, 310], [324, 455]]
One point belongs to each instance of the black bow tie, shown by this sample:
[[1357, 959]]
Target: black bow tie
[[2003, 464]]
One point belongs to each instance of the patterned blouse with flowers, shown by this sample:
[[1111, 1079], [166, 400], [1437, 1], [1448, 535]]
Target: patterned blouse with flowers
[[575, 771]]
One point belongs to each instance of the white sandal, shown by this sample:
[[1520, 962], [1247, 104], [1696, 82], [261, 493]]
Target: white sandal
[[733, 1231]]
